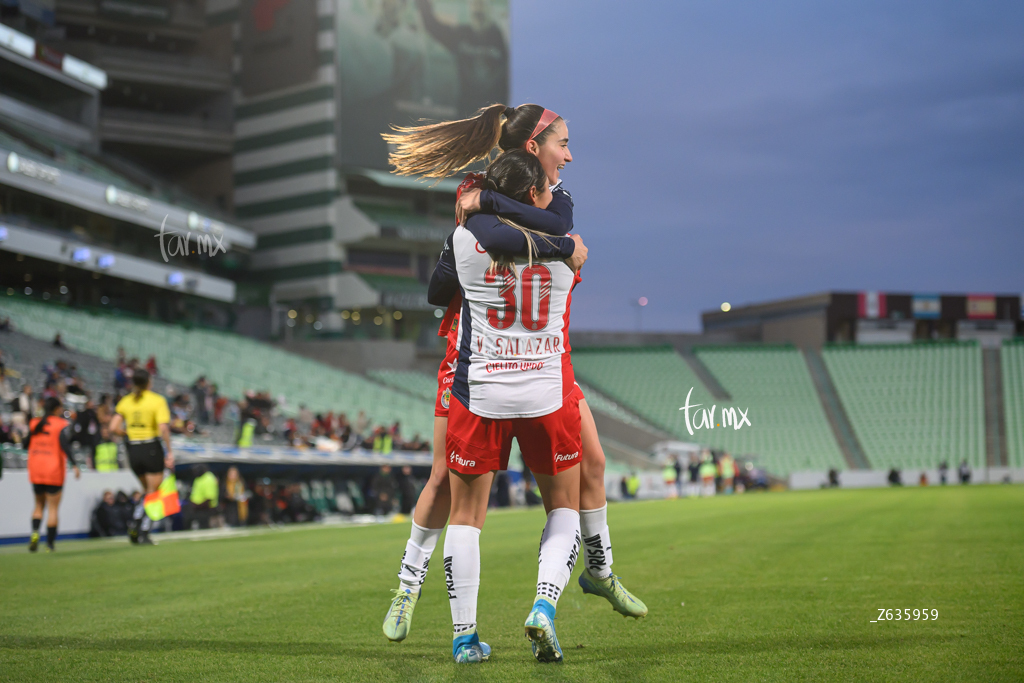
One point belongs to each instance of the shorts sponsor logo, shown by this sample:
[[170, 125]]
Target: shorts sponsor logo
[[460, 461], [446, 398], [566, 457]]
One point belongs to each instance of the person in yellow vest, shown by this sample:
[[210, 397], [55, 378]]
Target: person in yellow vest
[[383, 442], [144, 418], [106, 457], [49, 449], [669, 476], [727, 470], [633, 485], [707, 476], [204, 496]]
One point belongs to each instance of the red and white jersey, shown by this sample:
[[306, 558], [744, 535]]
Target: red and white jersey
[[513, 334]]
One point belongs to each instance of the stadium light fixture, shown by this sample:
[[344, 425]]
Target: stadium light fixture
[[397, 315], [345, 315], [28, 291], [293, 314], [642, 301], [438, 313], [726, 307], [378, 320]]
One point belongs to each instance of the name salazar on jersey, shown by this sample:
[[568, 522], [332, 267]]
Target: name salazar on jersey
[[730, 416], [516, 347]]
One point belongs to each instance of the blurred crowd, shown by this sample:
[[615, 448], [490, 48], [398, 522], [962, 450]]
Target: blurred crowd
[[198, 412]]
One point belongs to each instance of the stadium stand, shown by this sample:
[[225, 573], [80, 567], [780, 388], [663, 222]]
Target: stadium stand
[[913, 406], [769, 382], [233, 362], [1013, 400]]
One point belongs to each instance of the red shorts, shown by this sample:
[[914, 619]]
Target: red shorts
[[550, 443], [445, 375]]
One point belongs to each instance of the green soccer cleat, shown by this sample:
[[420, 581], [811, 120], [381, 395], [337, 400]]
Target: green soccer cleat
[[467, 649], [33, 542], [399, 619], [540, 629], [612, 590]]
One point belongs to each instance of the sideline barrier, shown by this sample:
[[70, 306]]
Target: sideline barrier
[[860, 479]]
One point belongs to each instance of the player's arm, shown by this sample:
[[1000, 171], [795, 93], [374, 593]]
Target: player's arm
[[163, 419], [65, 445], [504, 240], [444, 281], [445, 34], [554, 220], [116, 425]]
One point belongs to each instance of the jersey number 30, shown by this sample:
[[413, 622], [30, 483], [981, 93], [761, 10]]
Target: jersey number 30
[[536, 297]]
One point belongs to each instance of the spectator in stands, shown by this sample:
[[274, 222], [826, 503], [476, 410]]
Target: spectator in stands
[[236, 505], [86, 431], [383, 488], [219, 403], [151, 366], [122, 359], [305, 419], [943, 472], [965, 472], [199, 393], [3, 367], [5, 324], [383, 442], [23, 409], [122, 377], [58, 342], [361, 424]]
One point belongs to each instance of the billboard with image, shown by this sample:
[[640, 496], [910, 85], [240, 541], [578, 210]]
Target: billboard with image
[[400, 61]]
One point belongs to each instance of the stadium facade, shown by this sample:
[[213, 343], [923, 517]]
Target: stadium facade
[[87, 226]]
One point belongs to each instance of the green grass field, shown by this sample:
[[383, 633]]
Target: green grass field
[[765, 587]]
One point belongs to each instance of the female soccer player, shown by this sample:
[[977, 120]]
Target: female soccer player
[[436, 151], [49, 449], [146, 420], [513, 379]]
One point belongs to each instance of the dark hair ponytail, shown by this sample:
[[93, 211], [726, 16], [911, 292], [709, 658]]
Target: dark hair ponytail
[[514, 173], [140, 378], [49, 405], [438, 150]]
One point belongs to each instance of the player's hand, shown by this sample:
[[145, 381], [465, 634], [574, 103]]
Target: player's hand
[[78, 473], [169, 461], [468, 203], [579, 256]]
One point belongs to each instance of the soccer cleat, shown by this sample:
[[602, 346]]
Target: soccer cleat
[[33, 542], [467, 649], [399, 619], [540, 629], [612, 590]]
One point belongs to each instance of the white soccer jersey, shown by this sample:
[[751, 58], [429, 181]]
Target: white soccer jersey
[[513, 334]]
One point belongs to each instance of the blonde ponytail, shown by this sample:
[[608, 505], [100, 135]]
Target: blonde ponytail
[[438, 150]]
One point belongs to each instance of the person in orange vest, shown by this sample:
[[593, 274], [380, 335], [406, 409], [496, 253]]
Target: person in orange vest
[[144, 418], [49, 449]]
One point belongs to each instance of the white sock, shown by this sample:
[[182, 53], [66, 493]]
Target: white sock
[[418, 550], [597, 543], [462, 574], [559, 548]]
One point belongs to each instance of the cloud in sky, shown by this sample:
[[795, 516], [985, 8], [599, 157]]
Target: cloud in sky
[[744, 151]]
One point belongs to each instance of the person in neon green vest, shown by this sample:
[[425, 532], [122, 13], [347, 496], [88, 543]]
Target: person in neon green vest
[[105, 459], [727, 470], [668, 475], [204, 496], [707, 475]]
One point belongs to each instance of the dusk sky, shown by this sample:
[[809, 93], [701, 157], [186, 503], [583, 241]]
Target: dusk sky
[[747, 151]]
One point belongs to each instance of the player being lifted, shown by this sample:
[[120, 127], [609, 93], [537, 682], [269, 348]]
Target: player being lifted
[[440, 150]]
